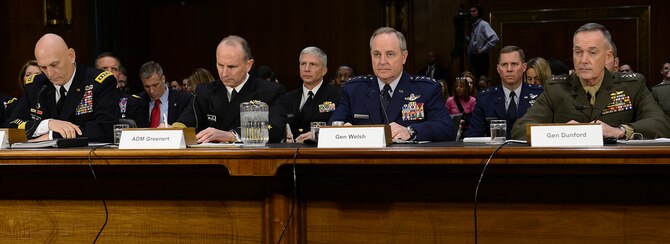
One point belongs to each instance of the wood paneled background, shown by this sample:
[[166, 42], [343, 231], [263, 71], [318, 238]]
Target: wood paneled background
[[182, 35]]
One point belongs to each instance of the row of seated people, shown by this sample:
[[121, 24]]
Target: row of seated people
[[71, 99]]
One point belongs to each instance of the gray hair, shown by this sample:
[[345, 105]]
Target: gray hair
[[149, 68], [382, 30], [233, 39], [317, 52], [598, 27]]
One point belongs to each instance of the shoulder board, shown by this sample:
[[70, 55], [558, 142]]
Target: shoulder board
[[629, 76], [102, 76], [489, 90], [136, 96], [362, 78], [422, 78], [30, 79], [11, 101], [558, 79], [536, 86]]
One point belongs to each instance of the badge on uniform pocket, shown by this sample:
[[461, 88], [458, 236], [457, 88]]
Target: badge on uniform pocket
[[211, 117], [361, 116]]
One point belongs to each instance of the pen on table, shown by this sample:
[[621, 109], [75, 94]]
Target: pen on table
[[165, 120]]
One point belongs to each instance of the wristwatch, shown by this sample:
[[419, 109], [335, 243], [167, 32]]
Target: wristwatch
[[412, 133], [627, 131]]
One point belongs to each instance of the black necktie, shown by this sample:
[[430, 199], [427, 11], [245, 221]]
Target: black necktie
[[310, 96], [61, 100], [232, 95], [385, 100], [511, 110], [429, 73]]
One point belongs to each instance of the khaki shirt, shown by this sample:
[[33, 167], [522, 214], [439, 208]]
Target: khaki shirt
[[622, 99]]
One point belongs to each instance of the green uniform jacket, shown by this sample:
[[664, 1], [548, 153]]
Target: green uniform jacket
[[661, 93], [622, 99]]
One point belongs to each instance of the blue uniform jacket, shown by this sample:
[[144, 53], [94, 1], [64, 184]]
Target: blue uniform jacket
[[416, 101], [491, 104]]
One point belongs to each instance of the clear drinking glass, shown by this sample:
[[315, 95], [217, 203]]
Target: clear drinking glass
[[118, 128], [314, 128], [498, 131]]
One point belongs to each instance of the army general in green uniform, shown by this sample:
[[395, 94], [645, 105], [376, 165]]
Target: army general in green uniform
[[620, 102]]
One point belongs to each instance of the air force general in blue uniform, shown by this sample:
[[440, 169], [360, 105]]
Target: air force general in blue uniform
[[491, 104], [416, 102]]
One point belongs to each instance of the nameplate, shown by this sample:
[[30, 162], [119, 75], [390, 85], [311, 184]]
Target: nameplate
[[156, 138], [357, 136], [11, 136], [566, 135]]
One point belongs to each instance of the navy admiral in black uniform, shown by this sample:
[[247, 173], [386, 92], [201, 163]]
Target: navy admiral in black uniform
[[68, 99], [217, 104], [315, 100], [412, 105], [495, 102], [172, 103]]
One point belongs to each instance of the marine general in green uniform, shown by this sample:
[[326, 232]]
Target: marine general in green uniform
[[621, 102]]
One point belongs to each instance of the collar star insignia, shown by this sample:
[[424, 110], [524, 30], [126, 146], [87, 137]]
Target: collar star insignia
[[412, 97]]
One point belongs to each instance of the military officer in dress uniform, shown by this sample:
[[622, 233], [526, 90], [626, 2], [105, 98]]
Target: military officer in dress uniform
[[217, 104], [68, 99], [509, 100], [620, 102], [314, 101], [412, 105]]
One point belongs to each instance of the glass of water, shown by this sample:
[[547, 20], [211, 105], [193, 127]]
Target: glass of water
[[314, 128], [118, 128], [498, 131]]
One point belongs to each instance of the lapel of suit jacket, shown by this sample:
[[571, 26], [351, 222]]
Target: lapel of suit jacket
[[499, 107], [172, 105], [372, 102], [402, 90], [523, 105], [74, 94]]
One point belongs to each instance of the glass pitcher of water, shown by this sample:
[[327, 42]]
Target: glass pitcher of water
[[254, 122]]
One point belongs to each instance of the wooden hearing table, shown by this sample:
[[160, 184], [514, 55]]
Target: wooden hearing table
[[399, 194]]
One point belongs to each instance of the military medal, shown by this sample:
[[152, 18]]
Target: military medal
[[326, 107], [620, 102], [412, 111], [86, 104]]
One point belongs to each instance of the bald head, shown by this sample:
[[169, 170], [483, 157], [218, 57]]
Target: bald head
[[55, 59]]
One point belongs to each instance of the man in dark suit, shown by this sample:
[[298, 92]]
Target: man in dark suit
[[68, 99], [171, 103], [412, 105], [315, 100], [217, 104], [509, 100], [129, 105], [433, 69]]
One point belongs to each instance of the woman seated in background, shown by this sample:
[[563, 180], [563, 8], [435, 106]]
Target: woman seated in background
[[199, 76], [461, 103], [538, 71]]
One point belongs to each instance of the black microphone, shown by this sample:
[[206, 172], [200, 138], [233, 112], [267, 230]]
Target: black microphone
[[39, 96], [195, 114], [582, 107], [381, 102]]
